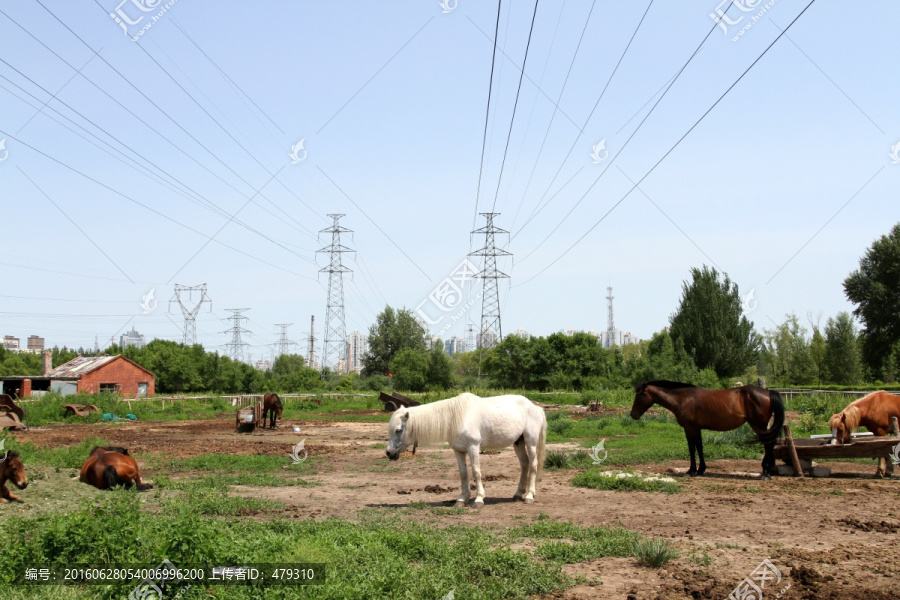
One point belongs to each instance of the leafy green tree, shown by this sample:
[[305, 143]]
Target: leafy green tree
[[410, 369], [393, 331], [790, 353], [875, 289], [709, 324], [842, 358], [440, 370], [661, 358]]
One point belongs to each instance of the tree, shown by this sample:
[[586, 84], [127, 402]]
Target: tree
[[790, 353], [393, 331], [410, 369], [875, 289], [709, 324], [842, 364], [440, 371]]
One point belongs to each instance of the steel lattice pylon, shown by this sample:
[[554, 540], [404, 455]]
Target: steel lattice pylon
[[283, 344], [491, 330], [334, 352], [236, 347], [184, 295]]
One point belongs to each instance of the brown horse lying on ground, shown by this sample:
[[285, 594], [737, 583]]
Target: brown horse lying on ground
[[873, 412], [11, 468], [697, 408], [272, 407], [109, 466]]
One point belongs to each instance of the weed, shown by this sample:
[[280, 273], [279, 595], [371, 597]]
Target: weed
[[653, 552]]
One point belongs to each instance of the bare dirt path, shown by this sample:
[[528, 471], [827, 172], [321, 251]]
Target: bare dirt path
[[830, 538]]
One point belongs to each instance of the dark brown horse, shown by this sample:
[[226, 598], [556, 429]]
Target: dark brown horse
[[12, 469], [109, 466], [272, 407], [697, 408]]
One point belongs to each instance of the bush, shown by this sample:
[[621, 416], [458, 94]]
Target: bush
[[653, 552]]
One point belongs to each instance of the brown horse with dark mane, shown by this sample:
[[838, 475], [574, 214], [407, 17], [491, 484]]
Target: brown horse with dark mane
[[697, 408], [12, 469], [110, 466], [272, 407], [873, 412]]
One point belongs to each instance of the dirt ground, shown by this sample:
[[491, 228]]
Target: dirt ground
[[830, 538]]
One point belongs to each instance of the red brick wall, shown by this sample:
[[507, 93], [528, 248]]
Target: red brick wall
[[118, 371]]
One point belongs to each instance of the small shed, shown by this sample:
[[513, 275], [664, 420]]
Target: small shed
[[90, 374]]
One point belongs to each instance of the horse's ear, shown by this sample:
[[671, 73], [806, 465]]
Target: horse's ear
[[404, 415]]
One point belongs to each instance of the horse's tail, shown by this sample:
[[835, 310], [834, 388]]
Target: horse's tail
[[770, 435], [110, 477], [542, 445]]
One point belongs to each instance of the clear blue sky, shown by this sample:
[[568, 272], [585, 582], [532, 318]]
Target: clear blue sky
[[783, 185]]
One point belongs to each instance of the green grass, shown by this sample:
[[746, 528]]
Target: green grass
[[568, 543], [560, 459], [66, 457], [653, 552], [594, 479], [234, 463]]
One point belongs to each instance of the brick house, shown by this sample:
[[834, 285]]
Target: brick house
[[93, 374]]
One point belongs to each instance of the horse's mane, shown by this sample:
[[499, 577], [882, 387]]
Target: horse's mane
[[851, 416], [118, 449], [668, 385], [439, 421]]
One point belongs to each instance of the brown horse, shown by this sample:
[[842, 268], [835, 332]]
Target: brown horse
[[272, 407], [697, 408], [873, 412], [109, 466], [11, 468]]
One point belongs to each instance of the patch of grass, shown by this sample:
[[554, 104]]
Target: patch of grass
[[560, 459], [378, 446], [224, 482], [653, 552], [596, 479], [234, 463], [703, 560], [569, 543], [65, 457]]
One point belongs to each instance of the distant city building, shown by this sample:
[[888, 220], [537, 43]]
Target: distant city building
[[456, 345], [431, 340], [11, 343], [520, 332], [485, 339], [132, 338], [35, 343], [356, 349], [263, 365]]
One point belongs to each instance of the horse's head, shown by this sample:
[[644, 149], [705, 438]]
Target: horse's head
[[12, 469], [398, 435], [840, 432], [643, 400]]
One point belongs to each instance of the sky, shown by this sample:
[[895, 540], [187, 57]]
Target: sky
[[639, 140]]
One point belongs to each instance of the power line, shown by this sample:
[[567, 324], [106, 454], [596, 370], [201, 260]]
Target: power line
[[487, 113], [512, 119], [622, 199]]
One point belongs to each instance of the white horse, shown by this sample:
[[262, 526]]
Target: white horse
[[469, 423]]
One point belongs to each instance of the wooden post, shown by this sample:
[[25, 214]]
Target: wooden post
[[895, 429], [795, 462]]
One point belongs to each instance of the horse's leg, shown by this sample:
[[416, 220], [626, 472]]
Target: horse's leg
[[691, 449], [463, 478], [476, 475], [532, 472], [882, 467], [522, 455], [768, 463], [698, 442]]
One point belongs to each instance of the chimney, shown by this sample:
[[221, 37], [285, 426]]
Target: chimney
[[48, 362]]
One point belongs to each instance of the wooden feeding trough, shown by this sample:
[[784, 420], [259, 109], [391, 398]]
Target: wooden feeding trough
[[249, 418], [394, 401], [11, 415], [80, 410], [798, 453]]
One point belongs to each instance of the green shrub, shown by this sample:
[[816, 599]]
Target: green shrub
[[653, 552]]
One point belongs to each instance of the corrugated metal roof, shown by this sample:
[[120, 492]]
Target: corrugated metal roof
[[81, 365]]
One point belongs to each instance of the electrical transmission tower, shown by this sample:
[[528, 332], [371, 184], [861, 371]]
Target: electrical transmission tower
[[334, 352], [610, 325], [184, 296], [236, 347], [283, 344], [491, 331], [312, 343]]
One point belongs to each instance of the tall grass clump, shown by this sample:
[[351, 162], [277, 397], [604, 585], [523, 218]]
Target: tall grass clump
[[653, 552]]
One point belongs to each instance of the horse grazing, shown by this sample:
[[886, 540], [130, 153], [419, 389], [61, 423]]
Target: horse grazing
[[272, 407], [469, 423], [12, 469], [697, 408], [110, 466], [873, 412]]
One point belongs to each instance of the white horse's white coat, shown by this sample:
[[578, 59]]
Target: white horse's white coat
[[469, 423]]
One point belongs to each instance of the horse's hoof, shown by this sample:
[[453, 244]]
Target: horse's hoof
[[459, 504], [478, 503], [517, 497], [766, 477], [529, 500]]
